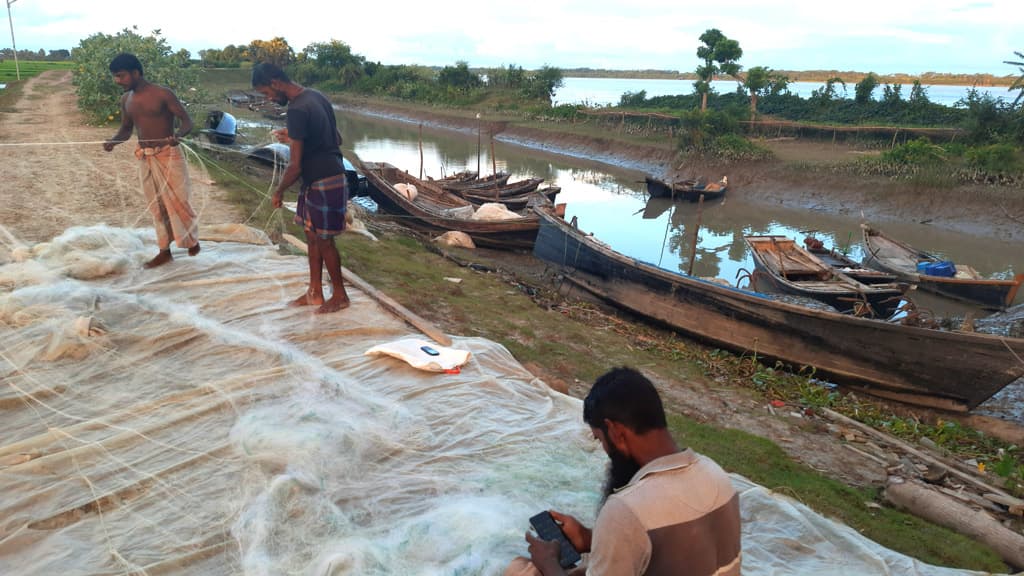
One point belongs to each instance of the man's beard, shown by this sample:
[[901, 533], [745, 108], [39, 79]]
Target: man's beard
[[621, 470], [280, 99]]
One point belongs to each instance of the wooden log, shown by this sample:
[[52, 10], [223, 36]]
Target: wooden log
[[914, 451], [940, 509], [389, 304]]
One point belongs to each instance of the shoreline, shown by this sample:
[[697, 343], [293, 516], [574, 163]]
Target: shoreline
[[791, 180]]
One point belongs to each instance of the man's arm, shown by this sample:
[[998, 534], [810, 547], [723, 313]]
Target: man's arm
[[544, 553], [125, 131], [291, 173], [175, 107]]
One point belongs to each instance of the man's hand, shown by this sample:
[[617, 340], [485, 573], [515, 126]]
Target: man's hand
[[578, 534], [173, 140], [282, 135], [277, 198], [544, 555], [109, 145]]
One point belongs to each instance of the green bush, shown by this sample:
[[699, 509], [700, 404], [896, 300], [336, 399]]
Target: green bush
[[735, 148], [99, 96], [994, 159], [919, 151]]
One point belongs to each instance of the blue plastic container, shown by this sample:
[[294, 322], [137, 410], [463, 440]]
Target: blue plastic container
[[944, 268]]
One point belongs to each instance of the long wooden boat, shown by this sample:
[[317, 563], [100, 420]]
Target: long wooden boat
[[891, 255], [498, 193], [517, 202], [786, 267], [661, 189], [499, 179], [711, 191], [940, 369], [435, 211]]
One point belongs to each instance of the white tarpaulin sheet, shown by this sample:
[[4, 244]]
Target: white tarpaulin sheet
[[184, 420]]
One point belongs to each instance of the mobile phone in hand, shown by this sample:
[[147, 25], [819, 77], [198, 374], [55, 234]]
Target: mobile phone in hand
[[548, 529]]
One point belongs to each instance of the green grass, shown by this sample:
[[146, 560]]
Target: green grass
[[30, 68]]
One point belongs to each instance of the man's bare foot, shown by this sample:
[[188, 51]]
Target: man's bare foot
[[337, 302], [194, 250], [308, 299], [160, 259]]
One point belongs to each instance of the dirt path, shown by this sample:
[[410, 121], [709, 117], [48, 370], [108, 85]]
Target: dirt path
[[57, 175]]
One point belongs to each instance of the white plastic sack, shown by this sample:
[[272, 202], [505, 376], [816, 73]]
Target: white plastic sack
[[495, 211], [422, 354]]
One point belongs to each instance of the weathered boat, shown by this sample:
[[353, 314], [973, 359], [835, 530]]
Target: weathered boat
[[499, 179], [847, 265], [941, 369], [893, 256], [518, 201], [711, 191], [435, 211], [498, 193], [661, 189], [785, 267]]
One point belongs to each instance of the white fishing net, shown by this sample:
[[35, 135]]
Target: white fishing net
[[184, 420]]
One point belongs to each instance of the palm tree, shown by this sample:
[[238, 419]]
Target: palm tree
[[1018, 84]]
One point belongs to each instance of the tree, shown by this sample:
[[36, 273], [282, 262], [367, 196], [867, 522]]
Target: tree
[[275, 51], [918, 95], [719, 54], [544, 83], [1018, 84], [99, 97], [60, 55], [332, 63], [763, 81], [863, 89], [459, 77]]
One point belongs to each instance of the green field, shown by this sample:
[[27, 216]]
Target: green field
[[8, 73]]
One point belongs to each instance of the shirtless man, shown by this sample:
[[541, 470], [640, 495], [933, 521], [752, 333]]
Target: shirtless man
[[151, 109], [315, 157]]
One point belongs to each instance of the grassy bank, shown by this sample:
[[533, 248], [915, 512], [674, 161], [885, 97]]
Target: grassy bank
[[9, 71]]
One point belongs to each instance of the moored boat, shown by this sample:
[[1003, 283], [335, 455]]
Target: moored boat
[[433, 210], [941, 369], [912, 265], [788, 268], [711, 191], [499, 179]]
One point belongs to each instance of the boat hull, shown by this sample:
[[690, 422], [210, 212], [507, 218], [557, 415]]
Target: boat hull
[[938, 369]]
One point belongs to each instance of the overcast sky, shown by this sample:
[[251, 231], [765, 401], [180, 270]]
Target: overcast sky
[[911, 36]]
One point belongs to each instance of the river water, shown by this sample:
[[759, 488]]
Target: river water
[[608, 91], [611, 202]]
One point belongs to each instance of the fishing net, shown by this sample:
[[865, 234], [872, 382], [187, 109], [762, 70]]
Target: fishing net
[[184, 420]]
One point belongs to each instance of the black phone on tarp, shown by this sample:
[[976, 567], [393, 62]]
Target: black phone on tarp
[[430, 351], [548, 529]]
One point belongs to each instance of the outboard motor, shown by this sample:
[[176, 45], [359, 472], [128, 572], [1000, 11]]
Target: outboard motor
[[221, 127]]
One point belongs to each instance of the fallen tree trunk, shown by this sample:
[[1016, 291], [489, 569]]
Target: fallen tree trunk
[[935, 507]]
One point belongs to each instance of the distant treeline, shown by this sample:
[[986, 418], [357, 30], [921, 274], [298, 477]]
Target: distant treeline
[[848, 76]]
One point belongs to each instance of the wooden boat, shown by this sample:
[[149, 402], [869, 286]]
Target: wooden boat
[[517, 202], [661, 189], [436, 211], [847, 265], [786, 267], [493, 180], [941, 369], [893, 256], [498, 193], [712, 191]]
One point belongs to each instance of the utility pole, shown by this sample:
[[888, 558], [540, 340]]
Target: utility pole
[[17, 69]]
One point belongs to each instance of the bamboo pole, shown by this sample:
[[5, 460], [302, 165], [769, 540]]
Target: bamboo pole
[[696, 231], [384, 300], [421, 151]]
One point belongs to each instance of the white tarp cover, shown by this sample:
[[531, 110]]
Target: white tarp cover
[[184, 420]]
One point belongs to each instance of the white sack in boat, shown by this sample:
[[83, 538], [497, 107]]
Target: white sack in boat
[[455, 238], [407, 190], [495, 211]]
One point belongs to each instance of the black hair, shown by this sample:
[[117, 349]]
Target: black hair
[[626, 396], [265, 73], [127, 62]]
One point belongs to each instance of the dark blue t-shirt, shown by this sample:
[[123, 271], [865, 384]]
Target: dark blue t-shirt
[[311, 119]]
